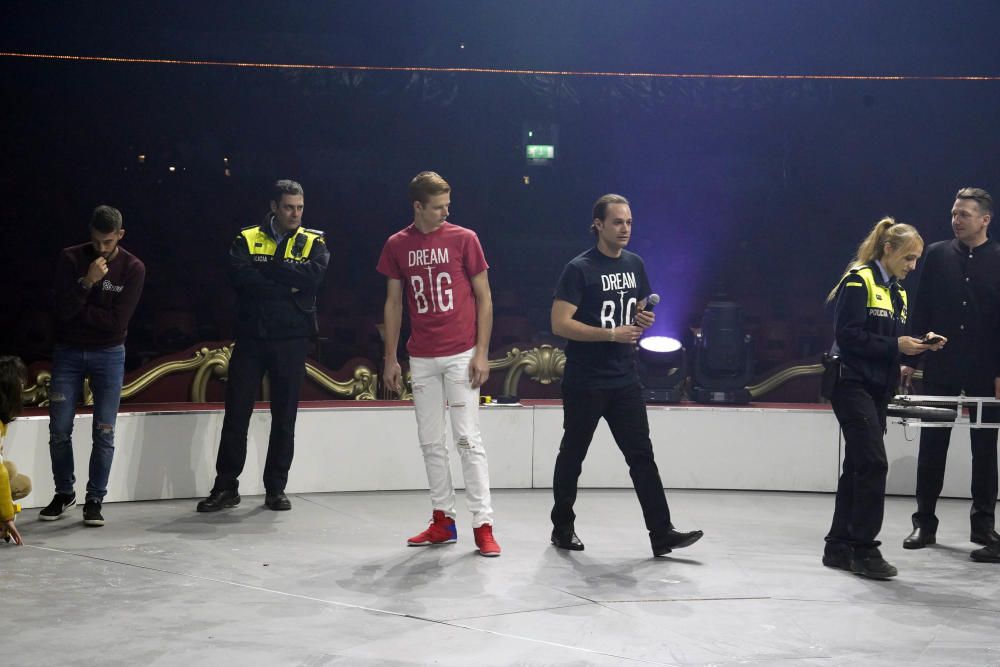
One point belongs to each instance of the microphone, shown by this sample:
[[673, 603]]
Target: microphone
[[651, 302]]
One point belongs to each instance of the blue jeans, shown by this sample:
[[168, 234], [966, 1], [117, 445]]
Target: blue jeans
[[106, 370]]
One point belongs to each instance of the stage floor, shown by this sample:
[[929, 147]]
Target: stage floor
[[332, 583]]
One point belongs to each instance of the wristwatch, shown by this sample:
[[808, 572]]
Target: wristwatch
[[84, 285]]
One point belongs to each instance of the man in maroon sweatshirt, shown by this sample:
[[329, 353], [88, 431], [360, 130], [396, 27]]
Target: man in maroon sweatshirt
[[97, 286]]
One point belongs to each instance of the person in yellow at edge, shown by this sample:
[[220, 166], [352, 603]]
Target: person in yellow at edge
[[870, 321], [13, 486]]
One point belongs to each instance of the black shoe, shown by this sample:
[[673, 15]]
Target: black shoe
[[990, 554], [920, 538], [664, 542], [278, 502], [60, 503], [566, 539], [92, 513], [837, 555], [218, 500], [868, 562], [984, 537]]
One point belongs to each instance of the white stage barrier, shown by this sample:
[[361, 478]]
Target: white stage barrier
[[357, 447]]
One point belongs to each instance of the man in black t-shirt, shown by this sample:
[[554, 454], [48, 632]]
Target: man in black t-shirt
[[598, 307]]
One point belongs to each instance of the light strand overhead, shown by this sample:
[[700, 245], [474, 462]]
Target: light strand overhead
[[492, 70]]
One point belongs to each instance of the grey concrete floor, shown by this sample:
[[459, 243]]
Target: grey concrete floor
[[332, 583]]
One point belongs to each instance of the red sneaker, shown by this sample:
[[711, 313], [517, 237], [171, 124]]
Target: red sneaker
[[441, 531], [484, 540]]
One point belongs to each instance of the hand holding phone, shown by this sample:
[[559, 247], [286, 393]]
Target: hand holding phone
[[934, 340]]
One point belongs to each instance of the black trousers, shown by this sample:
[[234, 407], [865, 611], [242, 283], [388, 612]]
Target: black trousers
[[624, 410], [860, 505], [934, 455], [284, 360]]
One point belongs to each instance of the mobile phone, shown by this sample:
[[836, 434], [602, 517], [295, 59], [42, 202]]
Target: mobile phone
[[933, 340]]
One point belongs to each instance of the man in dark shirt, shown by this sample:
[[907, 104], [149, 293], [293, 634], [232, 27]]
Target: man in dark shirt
[[276, 268], [598, 307], [959, 297], [97, 286]]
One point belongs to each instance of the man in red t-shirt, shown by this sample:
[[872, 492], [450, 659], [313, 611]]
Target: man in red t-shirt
[[451, 316]]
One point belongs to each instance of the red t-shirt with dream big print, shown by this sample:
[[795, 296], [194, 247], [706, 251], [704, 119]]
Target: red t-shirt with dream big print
[[436, 269]]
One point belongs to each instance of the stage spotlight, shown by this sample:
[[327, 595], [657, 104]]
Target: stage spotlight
[[723, 364], [662, 370], [660, 344]]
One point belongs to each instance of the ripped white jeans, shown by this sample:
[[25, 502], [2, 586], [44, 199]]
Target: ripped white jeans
[[440, 383]]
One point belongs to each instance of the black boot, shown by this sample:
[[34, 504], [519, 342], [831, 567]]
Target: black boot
[[665, 541], [565, 538], [990, 554], [868, 562], [837, 555], [984, 536], [919, 538], [277, 502], [218, 500]]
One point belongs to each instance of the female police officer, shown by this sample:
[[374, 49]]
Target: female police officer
[[870, 319]]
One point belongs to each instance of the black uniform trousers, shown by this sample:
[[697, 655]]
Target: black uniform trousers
[[624, 409], [284, 360], [934, 455], [860, 505]]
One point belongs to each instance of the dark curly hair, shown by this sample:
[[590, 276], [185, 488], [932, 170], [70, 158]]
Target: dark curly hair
[[12, 377]]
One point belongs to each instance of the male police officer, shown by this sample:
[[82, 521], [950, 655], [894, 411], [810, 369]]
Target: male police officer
[[276, 267]]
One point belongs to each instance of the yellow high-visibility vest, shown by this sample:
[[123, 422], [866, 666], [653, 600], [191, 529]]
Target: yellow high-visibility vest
[[880, 296], [261, 243]]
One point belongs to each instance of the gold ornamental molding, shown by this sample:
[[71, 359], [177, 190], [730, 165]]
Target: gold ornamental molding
[[38, 393], [207, 364], [211, 363], [361, 387], [543, 364]]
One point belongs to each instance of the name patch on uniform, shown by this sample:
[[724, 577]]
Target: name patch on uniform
[[879, 312]]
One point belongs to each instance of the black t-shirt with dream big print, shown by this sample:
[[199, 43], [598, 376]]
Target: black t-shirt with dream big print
[[606, 291]]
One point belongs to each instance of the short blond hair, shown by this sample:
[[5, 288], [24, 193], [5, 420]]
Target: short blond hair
[[427, 184]]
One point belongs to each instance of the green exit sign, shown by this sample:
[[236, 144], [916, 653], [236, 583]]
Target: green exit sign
[[540, 152]]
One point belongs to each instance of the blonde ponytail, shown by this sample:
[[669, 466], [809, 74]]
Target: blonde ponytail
[[886, 230]]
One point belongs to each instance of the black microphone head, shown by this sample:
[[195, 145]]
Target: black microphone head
[[651, 301]]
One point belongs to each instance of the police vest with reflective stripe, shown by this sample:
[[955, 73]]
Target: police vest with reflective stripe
[[262, 246], [880, 296]]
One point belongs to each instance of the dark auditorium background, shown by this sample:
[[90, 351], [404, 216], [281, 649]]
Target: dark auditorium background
[[755, 188]]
